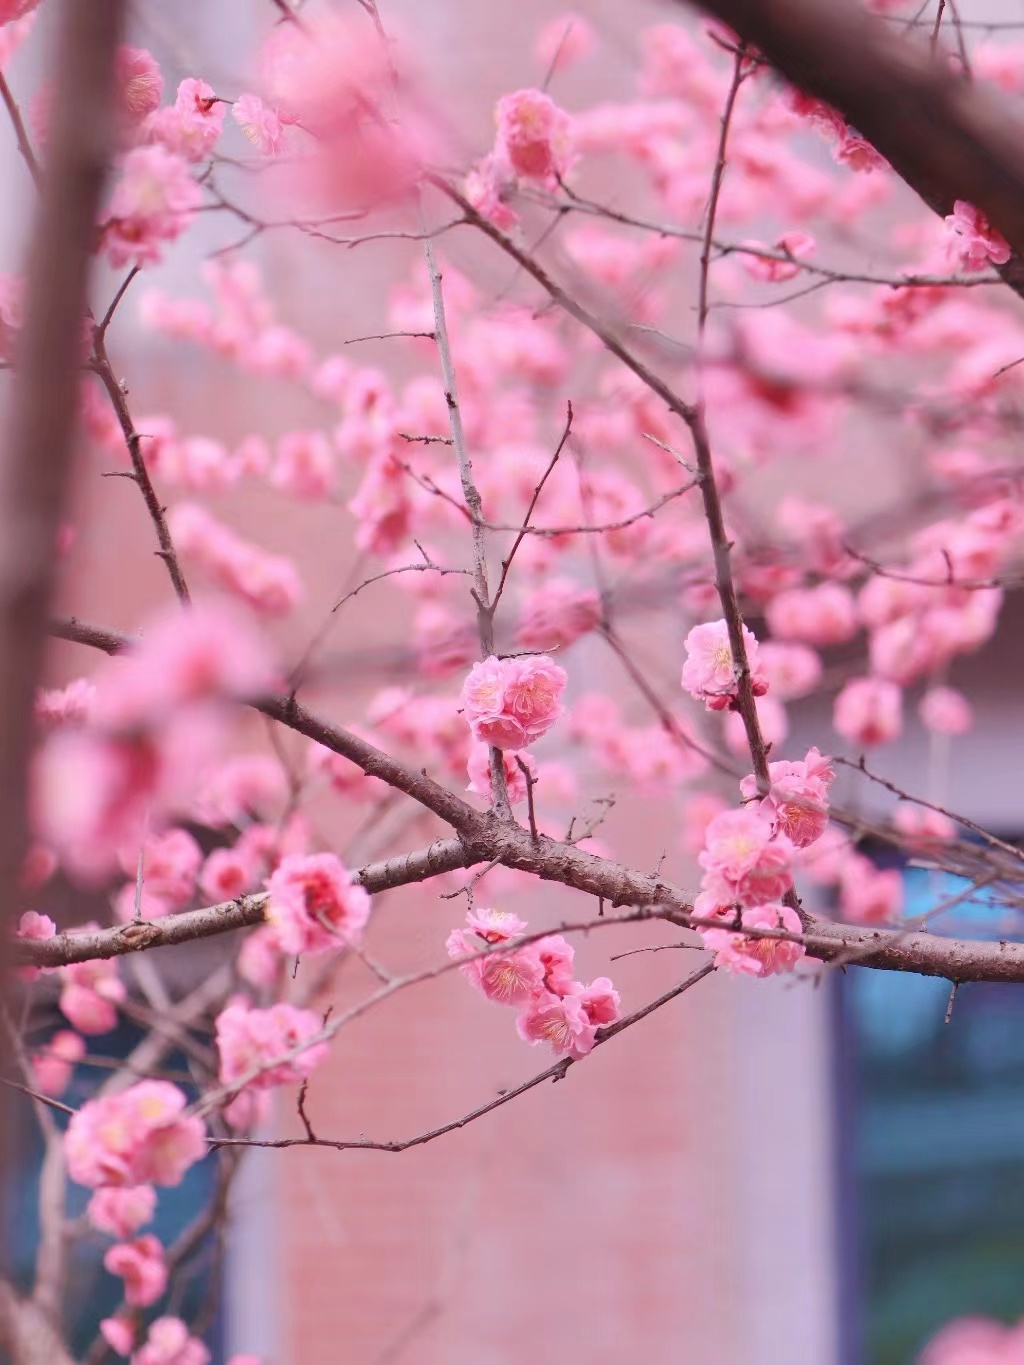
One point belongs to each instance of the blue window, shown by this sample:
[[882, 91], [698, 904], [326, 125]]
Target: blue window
[[930, 1118]]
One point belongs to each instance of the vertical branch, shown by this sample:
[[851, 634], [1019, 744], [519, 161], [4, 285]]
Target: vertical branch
[[720, 544], [471, 494], [35, 456]]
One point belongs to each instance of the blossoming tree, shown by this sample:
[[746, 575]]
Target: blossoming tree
[[542, 461]]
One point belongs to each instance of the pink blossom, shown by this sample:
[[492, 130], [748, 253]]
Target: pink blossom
[[508, 977], [556, 614], [563, 41], [15, 9], [260, 124], [119, 1334], [90, 991], [946, 711], [191, 126], [154, 202], [600, 1001], [773, 722], [792, 670], [560, 1020], [139, 1136], [142, 1266], [744, 859], [304, 466], [370, 133], [269, 583], [121, 1210], [868, 895], [479, 768], [345, 777], [745, 956], [446, 642], [170, 864], [489, 186], [381, 506], [868, 711], [825, 615], [259, 958], [53, 1064], [535, 136], [314, 904], [797, 799], [923, 830], [170, 1343], [33, 925], [209, 653], [975, 1341], [66, 705], [709, 673], [139, 82], [242, 787], [773, 271], [250, 1039], [495, 926], [228, 874], [698, 812], [509, 702], [977, 243]]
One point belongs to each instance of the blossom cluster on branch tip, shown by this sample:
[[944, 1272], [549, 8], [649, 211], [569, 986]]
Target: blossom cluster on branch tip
[[511, 702], [537, 979]]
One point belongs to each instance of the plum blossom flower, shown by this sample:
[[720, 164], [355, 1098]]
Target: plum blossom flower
[[260, 124], [535, 136], [509, 978], [557, 613], [976, 241], [869, 711], [140, 1136], [139, 82], [709, 673], [510, 702], [869, 895], [743, 955], [560, 1020], [797, 799], [169, 1342], [946, 711], [314, 904], [53, 1064], [121, 1210], [153, 203], [745, 860], [249, 1038], [142, 1266], [190, 126]]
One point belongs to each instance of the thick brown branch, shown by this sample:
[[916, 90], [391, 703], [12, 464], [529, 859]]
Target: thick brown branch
[[948, 137]]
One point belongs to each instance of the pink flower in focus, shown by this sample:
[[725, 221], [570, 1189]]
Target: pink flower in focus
[[260, 124], [314, 904], [557, 613], [508, 978], [121, 1210], [709, 673], [509, 702], [479, 768], [139, 1136], [170, 1343], [946, 711], [153, 203], [869, 711], [600, 1001], [54, 1063], [798, 797], [744, 860], [977, 243], [259, 1038], [745, 956], [535, 136], [142, 1266], [560, 1020], [495, 926], [191, 126], [139, 83]]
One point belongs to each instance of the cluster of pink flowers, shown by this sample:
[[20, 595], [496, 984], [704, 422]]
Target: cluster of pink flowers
[[977, 243], [139, 1136], [710, 672], [262, 1041], [269, 583], [535, 142], [511, 702], [155, 722], [537, 978], [153, 203], [314, 904]]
